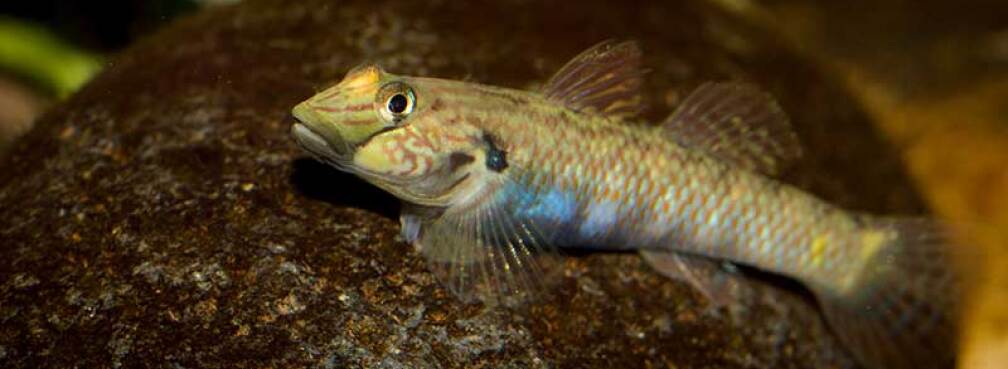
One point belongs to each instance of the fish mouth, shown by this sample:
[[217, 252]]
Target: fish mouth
[[318, 146], [322, 149]]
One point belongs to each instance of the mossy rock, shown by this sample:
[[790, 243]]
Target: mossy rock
[[163, 217]]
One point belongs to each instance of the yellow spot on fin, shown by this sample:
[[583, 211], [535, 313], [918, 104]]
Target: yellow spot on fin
[[868, 244], [871, 242], [902, 309]]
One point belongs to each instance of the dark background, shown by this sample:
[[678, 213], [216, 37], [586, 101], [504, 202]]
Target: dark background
[[931, 75]]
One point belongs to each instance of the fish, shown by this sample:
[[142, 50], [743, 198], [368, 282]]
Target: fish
[[496, 181]]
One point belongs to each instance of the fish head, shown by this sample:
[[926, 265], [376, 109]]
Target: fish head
[[385, 129], [332, 123]]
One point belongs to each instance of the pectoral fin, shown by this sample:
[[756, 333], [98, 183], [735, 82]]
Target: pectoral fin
[[485, 252]]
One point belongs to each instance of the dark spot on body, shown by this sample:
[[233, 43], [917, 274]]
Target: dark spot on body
[[458, 159], [496, 159]]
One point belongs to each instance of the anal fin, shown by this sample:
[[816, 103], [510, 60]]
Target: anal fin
[[707, 276]]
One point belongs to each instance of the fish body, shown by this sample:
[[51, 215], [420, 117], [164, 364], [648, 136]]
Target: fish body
[[493, 179]]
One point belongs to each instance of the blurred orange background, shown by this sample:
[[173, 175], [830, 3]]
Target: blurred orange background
[[933, 75]]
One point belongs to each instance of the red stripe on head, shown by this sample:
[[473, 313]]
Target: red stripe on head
[[348, 109], [357, 122]]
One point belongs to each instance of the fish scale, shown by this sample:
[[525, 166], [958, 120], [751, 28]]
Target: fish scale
[[493, 180], [701, 187]]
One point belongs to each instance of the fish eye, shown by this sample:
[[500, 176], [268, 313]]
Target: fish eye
[[395, 101]]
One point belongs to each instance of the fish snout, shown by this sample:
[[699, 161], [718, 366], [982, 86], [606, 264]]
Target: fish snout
[[315, 137]]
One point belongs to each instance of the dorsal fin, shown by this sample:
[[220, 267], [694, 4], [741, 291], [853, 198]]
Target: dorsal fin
[[737, 123], [604, 79]]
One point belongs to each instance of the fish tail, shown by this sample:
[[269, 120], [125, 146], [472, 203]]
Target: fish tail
[[901, 309]]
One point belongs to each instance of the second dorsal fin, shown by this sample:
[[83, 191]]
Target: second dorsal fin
[[737, 123], [604, 79]]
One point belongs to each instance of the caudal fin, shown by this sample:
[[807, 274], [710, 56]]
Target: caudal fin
[[901, 310]]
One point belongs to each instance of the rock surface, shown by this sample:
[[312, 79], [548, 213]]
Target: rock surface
[[163, 218]]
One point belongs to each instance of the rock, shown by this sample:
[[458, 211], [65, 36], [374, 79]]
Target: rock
[[163, 214]]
